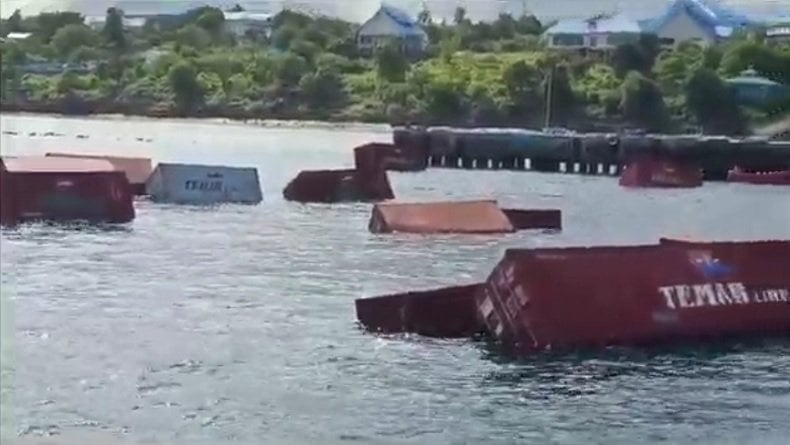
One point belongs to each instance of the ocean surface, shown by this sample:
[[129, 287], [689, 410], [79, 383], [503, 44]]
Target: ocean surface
[[236, 323]]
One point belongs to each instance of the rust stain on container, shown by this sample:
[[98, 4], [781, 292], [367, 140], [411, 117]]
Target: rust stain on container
[[137, 170], [481, 217], [446, 313]]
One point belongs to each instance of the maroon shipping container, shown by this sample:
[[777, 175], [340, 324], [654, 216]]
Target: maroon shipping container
[[534, 219], [652, 171], [593, 297], [445, 313], [62, 189], [137, 170], [376, 156], [328, 186], [760, 178]]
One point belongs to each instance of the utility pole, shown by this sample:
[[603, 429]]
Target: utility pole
[[549, 94]]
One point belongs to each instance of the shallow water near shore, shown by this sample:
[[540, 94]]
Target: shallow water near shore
[[236, 324]]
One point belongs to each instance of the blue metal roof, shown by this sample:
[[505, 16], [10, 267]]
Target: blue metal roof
[[606, 24], [402, 19], [710, 14]]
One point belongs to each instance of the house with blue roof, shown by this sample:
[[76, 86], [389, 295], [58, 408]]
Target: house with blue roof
[[707, 21], [390, 25]]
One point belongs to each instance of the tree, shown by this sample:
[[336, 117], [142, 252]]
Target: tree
[[193, 36], [183, 81], [424, 17], [323, 89], [14, 23], [391, 64], [559, 96], [643, 103], [529, 24], [521, 82], [70, 37], [212, 20], [636, 56], [237, 8], [459, 16], [290, 68], [113, 28], [48, 23], [713, 104], [283, 36]]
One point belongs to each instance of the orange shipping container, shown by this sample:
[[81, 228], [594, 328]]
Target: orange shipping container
[[440, 217]]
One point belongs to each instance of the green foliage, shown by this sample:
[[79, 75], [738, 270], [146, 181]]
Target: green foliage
[[773, 63], [70, 37], [323, 89], [212, 20], [183, 80], [642, 102], [48, 23], [637, 56], [713, 103], [391, 65], [193, 36], [289, 69], [113, 28], [14, 23]]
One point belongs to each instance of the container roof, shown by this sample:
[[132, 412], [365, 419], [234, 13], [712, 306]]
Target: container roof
[[43, 164]]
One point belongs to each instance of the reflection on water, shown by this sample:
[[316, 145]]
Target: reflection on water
[[236, 323]]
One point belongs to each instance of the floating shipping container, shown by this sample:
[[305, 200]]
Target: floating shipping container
[[204, 184], [63, 189], [137, 170], [481, 217]]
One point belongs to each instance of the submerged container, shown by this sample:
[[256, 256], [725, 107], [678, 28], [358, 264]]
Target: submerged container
[[330, 186], [63, 189], [449, 312], [204, 184], [137, 170], [481, 217], [652, 171], [759, 178], [678, 291], [374, 156]]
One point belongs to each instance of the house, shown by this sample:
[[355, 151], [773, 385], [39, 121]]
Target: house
[[706, 21], [244, 24], [778, 34], [97, 22], [391, 26], [752, 89], [602, 32]]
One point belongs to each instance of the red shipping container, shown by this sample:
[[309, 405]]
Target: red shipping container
[[593, 297], [653, 171], [375, 156], [61, 189], [444, 313], [534, 219], [480, 217], [328, 186], [137, 169], [760, 178]]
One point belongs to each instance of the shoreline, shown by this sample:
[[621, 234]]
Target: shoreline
[[307, 124]]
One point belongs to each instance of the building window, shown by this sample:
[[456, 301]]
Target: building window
[[365, 40], [593, 41]]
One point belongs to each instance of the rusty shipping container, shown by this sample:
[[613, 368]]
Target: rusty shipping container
[[481, 217], [593, 297], [649, 171], [330, 186], [137, 170], [445, 313], [376, 156], [63, 189]]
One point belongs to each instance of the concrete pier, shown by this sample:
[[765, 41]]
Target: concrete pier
[[587, 154]]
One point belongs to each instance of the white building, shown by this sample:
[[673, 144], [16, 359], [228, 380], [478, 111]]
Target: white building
[[391, 26], [603, 32], [244, 24], [97, 22]]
